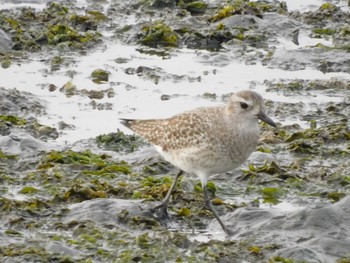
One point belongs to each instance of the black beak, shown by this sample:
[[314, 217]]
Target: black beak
[[262, 116]]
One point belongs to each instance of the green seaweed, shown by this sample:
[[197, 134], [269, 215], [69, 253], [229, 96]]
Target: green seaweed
[[255, 250], [119, 141], [97, 15], [109, 170], [143, 241], [6, 62], [33, 206], [324, 31], [223, 12], [196, 7], [311, 140], [339, 179], [279, 259], [72, 157], [217, 201], [271, 168], [8, 156], [56, 8], [56, 62], [304, 147], [328, 7], [184, 212], [41, 131], [241, 6], [12, 232], [99, 76], [153, 188], [335, 196], [30, 30], [264, 149], [80, 193], [69, 89], [271, 195], [343, 260], [14, 120], [29, 190], [61, 33], [86, 170], [210, 186], [159, 34]]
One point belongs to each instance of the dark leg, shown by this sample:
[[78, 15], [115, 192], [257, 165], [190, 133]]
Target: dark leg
[[211, 208], [163, 206]]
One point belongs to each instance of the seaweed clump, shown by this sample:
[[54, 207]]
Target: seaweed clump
[[315, 140], [120, 142], [239, 7], [195, 7], [159, 34], [100, 76], [54, 26]]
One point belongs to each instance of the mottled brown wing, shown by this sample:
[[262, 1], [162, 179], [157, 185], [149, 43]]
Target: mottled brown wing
[[180, 131]]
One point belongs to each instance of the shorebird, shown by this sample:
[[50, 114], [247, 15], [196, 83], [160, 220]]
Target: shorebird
[[206, 141]]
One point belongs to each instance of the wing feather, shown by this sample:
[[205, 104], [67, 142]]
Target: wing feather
[[181, 131]]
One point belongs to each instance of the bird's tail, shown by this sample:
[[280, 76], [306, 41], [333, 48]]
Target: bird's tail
[[126, 122]]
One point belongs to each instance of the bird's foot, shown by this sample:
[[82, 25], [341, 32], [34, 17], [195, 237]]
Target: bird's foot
[[228, 231], [161, 211]]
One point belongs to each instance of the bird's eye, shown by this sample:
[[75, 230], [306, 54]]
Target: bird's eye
[[244, 105]]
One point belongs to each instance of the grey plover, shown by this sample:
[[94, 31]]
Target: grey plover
[[206, 141]]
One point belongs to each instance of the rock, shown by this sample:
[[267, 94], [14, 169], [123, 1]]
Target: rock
[[16, 103], [163, 3], [5, 42], [314, 234], [102, 211], [21, 143], [58, 248]]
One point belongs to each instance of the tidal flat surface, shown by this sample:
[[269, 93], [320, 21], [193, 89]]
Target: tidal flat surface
[[75, 185]]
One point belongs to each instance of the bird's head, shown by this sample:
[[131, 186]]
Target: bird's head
[[248, 105]]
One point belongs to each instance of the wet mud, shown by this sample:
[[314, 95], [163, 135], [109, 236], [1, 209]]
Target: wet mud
[[88, 200]]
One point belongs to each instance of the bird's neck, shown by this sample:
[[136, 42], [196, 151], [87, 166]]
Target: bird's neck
[[243, 125]]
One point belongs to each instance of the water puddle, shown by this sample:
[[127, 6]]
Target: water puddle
[[188, 75]]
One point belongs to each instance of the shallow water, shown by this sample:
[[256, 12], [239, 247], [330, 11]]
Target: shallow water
[[188, 75], [202, 72]]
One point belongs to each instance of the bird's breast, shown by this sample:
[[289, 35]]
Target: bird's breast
[[242, 142]]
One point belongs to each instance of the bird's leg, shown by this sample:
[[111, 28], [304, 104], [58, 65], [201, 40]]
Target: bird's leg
[[163, 206], [211, 208]]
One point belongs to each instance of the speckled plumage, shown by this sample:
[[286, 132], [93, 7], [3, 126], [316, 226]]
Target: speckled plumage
[[207, 141]]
